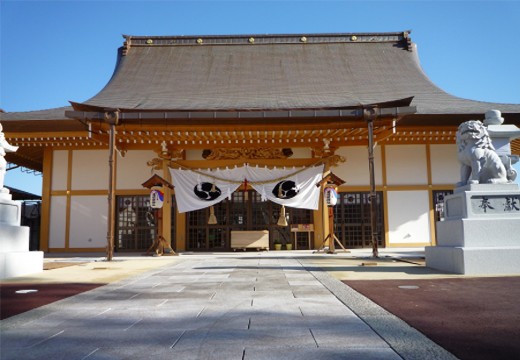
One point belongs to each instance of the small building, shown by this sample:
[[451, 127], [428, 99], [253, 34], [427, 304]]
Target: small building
[[273, 101]]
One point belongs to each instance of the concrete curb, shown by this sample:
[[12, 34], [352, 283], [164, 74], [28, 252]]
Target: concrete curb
[[408, 342]]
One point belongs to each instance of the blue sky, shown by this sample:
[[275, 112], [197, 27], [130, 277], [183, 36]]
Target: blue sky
[[55, 51]]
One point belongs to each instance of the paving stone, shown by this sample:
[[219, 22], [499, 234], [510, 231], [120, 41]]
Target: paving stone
[[358, 335], [273, 294], [76, 351], [240, 306], [306, 293], [305, 282], [322, 353], [209, 353]]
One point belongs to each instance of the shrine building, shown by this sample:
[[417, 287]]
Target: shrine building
[[235, 114]]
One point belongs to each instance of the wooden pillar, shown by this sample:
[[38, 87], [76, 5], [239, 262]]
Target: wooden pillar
[[46, 199], [319, 230], [68, 200], [112, 118], [180, 231], [369, 117], [328, 223], [160, 224], [166, 210], [332, 245]]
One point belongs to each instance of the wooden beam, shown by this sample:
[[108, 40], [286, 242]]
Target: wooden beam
[[50, 134]]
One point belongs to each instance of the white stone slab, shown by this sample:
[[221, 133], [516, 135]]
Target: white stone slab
[[474, 261], [14, 264], [10, 212], [479, 232], [494, 203], [13, 238]]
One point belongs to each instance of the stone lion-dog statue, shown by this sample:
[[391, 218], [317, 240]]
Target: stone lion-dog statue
[[480, 164]]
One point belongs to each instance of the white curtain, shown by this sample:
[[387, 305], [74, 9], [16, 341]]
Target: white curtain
[[204, 188], [293, 187]]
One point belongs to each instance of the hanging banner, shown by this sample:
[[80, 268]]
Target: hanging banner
[[294, 187]]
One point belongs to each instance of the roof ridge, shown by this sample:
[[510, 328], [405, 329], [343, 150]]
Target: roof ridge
[[268, 35], [244, 39]]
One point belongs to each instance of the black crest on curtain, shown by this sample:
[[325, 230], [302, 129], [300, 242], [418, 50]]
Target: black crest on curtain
[[207, 191], [285, 189]]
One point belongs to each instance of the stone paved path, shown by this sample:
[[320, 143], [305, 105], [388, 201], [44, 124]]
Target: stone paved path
[[202, 307]]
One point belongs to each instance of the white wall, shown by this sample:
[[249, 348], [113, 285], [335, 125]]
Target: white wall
[[406, 165], [57, 222], [88, 213], [355, 170], [408, 217], [132, 170], [88, 221], [60, 161], [89, 170], [444, 163]]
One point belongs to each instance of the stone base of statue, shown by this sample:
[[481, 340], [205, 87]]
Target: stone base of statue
[[480, 233], [15, 257]]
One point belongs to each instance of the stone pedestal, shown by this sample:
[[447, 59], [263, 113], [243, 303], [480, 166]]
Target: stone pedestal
[[15, 257], [481, 231]]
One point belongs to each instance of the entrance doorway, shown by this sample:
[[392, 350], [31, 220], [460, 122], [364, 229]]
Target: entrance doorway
[[352, 220], [244, 211]]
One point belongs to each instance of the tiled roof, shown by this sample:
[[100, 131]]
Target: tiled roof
[[47, 114], [275, 72], [271, 73]]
